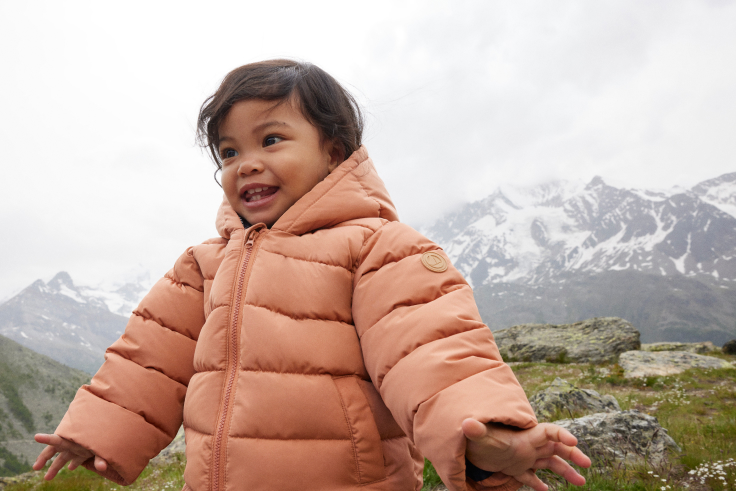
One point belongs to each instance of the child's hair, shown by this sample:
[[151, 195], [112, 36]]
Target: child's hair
[[321, 99]]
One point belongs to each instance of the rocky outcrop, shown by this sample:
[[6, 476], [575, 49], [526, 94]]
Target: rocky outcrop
[[626, 436], [597, 340], [563, 399], [173, 451], [20, 479], [698, 348], [652, 364], [729, 347]]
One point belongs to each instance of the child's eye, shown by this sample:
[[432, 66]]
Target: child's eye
[[228, 153], [271, 140]]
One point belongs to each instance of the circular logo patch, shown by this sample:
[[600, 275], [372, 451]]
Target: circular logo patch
[[434, 262]]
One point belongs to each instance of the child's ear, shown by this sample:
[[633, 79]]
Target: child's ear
[[337, 156]]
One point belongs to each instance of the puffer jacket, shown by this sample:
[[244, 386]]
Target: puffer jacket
[[330, 352]]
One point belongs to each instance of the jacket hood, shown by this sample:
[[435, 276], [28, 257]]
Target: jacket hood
[[353, 190]]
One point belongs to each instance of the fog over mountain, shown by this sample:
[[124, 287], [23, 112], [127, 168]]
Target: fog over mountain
[[524, 243]]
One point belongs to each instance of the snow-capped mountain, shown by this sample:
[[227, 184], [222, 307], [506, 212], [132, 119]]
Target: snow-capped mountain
[[69, 323], [535, 235]]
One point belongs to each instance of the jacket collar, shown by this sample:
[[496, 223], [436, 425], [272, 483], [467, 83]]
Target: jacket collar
[[353, 190]]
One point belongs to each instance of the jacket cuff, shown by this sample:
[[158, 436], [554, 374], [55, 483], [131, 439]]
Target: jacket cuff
[[123, 438]]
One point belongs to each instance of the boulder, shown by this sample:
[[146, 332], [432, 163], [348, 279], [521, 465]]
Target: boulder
[[730, 347], [598, 340], [625, 436], [650, 364], [173, 451], [563, 398], [698, 348]]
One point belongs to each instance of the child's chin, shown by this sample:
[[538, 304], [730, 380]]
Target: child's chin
[[253, 218]]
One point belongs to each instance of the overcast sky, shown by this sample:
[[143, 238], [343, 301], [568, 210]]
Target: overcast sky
[[101, 176]]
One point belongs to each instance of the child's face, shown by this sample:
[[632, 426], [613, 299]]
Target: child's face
[[271, 156]]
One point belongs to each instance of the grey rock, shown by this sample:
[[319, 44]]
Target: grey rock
[[698, 348], [626, 436], [729, 347], [176, 447], [561, 397], [21, 478], [597, 340], [650, 364]]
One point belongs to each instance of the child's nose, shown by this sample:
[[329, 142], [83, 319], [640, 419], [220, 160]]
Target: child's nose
[[250, 165]]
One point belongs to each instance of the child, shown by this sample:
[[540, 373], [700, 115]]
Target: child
[[318, 343]]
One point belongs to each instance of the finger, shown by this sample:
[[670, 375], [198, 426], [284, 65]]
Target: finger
[[100, 463], [49, 439], [41, 437], [530, 479], [473, 429], [562, 469], [555, 433], [57, 465], [573, 454], [47, 453]]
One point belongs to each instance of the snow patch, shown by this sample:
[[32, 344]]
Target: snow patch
[[66, 291]]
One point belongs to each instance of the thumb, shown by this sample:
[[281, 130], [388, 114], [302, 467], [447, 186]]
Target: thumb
[[474, 430], [100, 463]]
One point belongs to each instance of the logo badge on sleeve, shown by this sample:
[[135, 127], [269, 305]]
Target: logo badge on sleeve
[[434, 262]]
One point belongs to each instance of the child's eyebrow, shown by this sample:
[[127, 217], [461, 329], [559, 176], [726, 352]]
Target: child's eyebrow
[[269, 124], [258, 128]]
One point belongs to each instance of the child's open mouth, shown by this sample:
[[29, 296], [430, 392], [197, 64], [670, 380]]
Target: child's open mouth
[[257, 194]]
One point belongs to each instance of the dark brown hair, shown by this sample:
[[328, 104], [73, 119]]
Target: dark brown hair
[[321, 99]]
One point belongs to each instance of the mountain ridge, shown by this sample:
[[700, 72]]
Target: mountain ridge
[[71, 324], [541, 237], [34, 394]]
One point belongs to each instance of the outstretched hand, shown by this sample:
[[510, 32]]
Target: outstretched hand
[[518, 453], [68, 451]]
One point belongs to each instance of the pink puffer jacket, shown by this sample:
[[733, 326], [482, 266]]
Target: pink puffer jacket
[[329, 352]]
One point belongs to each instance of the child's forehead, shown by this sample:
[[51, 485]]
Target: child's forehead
[[252, 116]]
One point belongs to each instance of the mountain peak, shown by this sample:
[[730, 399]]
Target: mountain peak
[[61, 278], [595, 182]]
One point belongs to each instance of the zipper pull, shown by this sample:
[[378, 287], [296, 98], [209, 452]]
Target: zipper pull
[[251, 240], [252, 236]]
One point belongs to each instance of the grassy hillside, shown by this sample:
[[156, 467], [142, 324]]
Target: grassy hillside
[[662, 308], [34, 394], [697, 407]]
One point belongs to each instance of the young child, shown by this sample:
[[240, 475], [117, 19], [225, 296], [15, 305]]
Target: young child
[[318, 343]]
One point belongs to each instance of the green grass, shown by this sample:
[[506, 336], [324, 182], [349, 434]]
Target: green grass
[[164, 476], [697, 407], [431, 479]]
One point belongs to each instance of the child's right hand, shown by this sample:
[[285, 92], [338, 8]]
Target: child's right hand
[[70, 452], [518, 453]]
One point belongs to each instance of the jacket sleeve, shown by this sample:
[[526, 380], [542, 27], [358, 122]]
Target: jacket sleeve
[[133, 406], [429, 354]]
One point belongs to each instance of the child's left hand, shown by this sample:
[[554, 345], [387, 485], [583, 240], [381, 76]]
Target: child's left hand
[[518, 453]]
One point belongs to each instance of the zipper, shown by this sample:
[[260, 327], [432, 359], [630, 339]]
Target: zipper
[[233, 357]]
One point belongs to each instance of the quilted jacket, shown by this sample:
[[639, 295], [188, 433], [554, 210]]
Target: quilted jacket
[[324, 353]]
